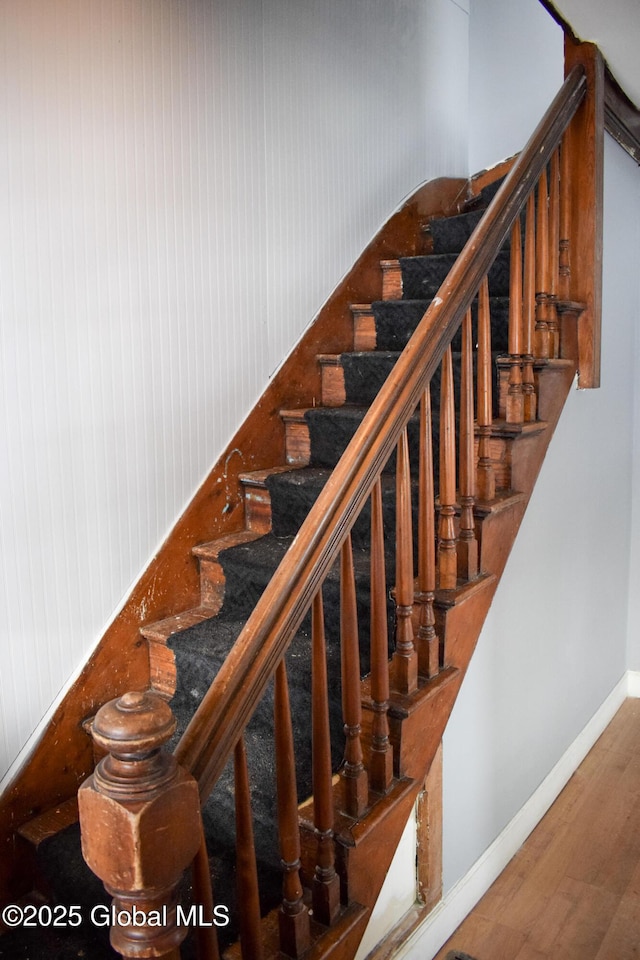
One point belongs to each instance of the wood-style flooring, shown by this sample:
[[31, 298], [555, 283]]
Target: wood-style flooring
[[572, 892]]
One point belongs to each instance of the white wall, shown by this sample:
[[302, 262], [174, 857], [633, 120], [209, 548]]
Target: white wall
[[183, 184]]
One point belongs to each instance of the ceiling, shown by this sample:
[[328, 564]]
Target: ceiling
[[615, 26]]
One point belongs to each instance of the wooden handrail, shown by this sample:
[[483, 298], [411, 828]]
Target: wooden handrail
[[226, 708]]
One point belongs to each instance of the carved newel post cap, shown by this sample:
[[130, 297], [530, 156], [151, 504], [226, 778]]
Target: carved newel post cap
[[133, 725], [140, 823]]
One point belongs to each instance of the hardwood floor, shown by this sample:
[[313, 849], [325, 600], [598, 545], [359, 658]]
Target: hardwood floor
[[572, 892]]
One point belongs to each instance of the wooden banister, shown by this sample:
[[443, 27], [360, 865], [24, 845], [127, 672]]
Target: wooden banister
[[242, 679], [585, 207]]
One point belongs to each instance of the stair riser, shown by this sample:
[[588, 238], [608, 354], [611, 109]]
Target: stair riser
[[333, 385], [364, 328]]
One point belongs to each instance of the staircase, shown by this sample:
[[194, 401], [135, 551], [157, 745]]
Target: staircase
[[351, 682]]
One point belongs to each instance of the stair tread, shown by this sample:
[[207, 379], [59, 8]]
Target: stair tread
[[160, 630], [258, 478], [212, 548], [52, 821], [402, 705]]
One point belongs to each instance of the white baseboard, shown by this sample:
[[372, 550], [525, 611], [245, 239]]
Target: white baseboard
[[633, 679], [446, 917]]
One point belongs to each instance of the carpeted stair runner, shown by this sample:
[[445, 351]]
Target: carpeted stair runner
[[201, 649], [248, 567]]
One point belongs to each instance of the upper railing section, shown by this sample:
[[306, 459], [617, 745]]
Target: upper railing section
[[211, 736]]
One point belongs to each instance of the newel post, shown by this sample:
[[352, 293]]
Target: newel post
[[140, 823]]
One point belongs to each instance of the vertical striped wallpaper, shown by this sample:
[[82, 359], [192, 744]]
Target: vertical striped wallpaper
[[182, 184]]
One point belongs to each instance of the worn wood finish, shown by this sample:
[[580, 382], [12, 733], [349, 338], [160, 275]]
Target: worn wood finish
[[514, 413], [542, 334], [242, 679], [295, 935], [528, 313], [554, 253], [404, 664], [364, 327], [586, 208], [326, 883], [429, 836], [205, 936], [447, 556], [353, 774], [467, 543], [247, 882], [427, 642], [621, 117], [136, 788], [381, 753], [564, 216], [486, 472]]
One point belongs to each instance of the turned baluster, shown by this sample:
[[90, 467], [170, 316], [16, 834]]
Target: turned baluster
[[447, 554], [467, 542], [293, 917], [486, 471], [427, 638], [404, 665], [355, 786], [381, 762], [554, 252], [205, 936], [137, 805], [326, 883], [515, 398], [542, 333], [247, 872], [564, 248], [528, 313]]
